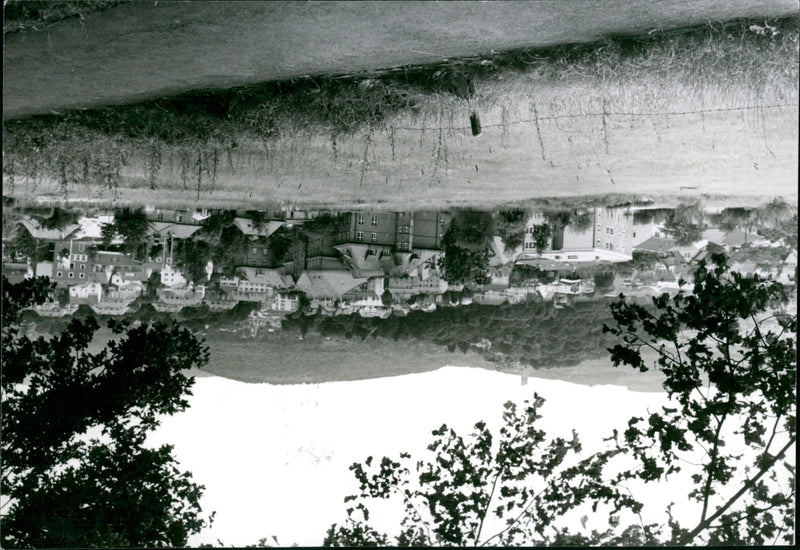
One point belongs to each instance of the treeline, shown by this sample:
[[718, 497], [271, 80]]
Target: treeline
[[533, 334]]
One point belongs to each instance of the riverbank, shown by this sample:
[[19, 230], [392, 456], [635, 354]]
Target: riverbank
[[711, 112]]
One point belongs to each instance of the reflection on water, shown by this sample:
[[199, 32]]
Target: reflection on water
[[520, 287]]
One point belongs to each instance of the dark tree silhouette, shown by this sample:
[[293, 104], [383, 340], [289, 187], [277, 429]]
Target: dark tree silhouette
[[732, 382], [75, 468]]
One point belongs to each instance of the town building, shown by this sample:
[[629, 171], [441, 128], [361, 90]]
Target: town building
[[608, 238]]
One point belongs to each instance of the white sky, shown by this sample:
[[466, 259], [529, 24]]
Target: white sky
[[274, 459]]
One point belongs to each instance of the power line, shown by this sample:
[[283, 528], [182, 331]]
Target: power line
[[606, 114]]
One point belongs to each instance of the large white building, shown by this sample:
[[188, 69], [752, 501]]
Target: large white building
[[609, 238]]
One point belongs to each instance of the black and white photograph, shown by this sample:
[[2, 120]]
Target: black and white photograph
[[399, 273]]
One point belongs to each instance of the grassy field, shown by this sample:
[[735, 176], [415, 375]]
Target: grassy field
[[710, 112]]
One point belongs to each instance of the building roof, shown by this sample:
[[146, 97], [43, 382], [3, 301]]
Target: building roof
[[44, 269], [323, 284], [91, 228], [363, 262], [656, 244], [714, 235], [265, 276], [738, 237], [177, 230], [247, 227], [38, 232], [791, 259]]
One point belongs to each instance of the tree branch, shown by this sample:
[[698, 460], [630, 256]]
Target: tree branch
[[688, 537], [488, 504]]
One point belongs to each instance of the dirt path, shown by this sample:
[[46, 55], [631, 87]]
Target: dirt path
[[149, 49]]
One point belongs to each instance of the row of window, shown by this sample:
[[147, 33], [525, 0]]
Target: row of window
[[360, 236], [360, 219], [71, 275]]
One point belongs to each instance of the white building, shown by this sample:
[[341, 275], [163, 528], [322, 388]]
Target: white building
[[86, 291], [284, 302], [608, 239], [172, 277]]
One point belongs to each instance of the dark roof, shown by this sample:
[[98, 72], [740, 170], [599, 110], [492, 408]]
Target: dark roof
[[656, 244]]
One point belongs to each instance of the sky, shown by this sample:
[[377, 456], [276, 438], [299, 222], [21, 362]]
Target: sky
[[274, 458]]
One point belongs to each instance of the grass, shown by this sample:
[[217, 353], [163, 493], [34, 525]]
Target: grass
[[707, 111], [28, 15]]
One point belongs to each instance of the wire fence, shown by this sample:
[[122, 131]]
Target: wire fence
[[604, 114]]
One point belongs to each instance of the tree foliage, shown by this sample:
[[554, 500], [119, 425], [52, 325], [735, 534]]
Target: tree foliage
[[131, 225], [730, 425], [466, 247], [76, 471], [541, 233]]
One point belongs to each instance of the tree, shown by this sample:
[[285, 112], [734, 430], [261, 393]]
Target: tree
[[76, 471], [59, 219], [24, 244], [742, 420], [132, 226], [685, 223], [108, 232], [510, 227], [541, 233], [753, 375], [604, 279]]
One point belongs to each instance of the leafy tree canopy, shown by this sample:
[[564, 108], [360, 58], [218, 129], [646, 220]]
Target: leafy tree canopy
[[730, 373], [75, 468]]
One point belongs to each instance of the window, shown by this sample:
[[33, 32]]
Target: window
[[360, 219], [598, 242], [59, 274], [83, 267], [71, 275], [81, 275], [558, 257], [374, 220], [611, 230], [360, 236], [180, 218], [373, 237], [573, 257]]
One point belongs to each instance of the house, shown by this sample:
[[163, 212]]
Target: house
[[402, 231], [266, 278], [187, 296], [409, 286], [607, 239], [172, 277], [170, 230], [658, 245], [688, 252], [167, 308], [168, 215], [249, 229], [737, 238], [53, 309], [328, 285], [85, 293], [111, 308], [366, 260], [367, 294], [35, 229], [285, 302], [490, 295]]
